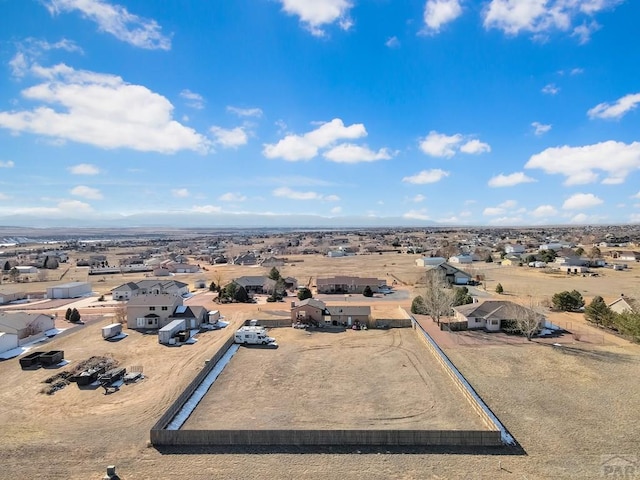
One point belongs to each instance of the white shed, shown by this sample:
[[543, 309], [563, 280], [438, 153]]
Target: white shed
[[69, 290]]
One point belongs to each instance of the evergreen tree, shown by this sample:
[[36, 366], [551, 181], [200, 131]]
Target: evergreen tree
[[461, 296], [499, 289], [304, 293], [75, 316], [598, 312], [67, 314], [367, 291], [241, 295], [417, 306], [274, 274]]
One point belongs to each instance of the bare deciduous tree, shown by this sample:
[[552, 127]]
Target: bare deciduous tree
[[437, 296], [120, 312], [529, 317]]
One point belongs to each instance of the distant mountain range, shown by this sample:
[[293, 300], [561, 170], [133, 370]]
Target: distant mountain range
[[201, 220]]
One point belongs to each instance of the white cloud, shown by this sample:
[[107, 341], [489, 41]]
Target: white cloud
[[540, 128], [84, 169], [544, 211], [510, 180], [579, 164], [229, 138], [336, 210], [507, 221], [86, 192], [32, 48], [245, 112], [577, 71], [579, 201], [116, 20], [350, 153], [7, 164], [550, 89], [440, 145], [426, 176], [542, 16], [180, 192], [418, 198], [634, 218], [417, 215], [440, 12], [101, 110], [286, 192], [4, 196], [583, 32], [194, 100], [475, 147], [315, 14], [617, 109], [637, 195], [304, 147], [501, 209], [232, 197], [206, 209], [580, 218], [392, 42]]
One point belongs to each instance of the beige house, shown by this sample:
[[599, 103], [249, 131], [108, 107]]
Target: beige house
[[315, 312], [27, 326], [151, 311], [490, 314], [623, 304]]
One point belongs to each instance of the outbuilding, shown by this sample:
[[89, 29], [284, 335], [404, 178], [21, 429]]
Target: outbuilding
[[69, 290]]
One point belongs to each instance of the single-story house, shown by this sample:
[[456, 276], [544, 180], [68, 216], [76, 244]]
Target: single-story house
[[8, 297], [346, 285], [623, 304], [511, 261], [21, 327], [151, 311], [272, 262], [453, 275], [69, 290], [629, 256], [490, 314], [8, 341], [348, 315], [175, 267], [259, 284]]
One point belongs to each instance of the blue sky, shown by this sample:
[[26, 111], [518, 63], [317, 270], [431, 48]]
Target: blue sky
[[319, 112]]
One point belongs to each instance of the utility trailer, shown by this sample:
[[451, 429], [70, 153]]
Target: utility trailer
[[111, 331], [169, 331], [31, 360], [52, 357], [110, 377]]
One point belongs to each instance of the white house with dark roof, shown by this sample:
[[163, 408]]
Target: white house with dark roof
[[151, 311], [490, 314]]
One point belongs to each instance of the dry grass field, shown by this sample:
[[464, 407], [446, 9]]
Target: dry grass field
[[566, 409], [393, 382]]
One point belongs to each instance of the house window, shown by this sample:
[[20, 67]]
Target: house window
[[494, 322], [152, 308], [149, 322], [165, 308]]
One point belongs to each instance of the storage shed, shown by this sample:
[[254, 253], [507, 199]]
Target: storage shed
[[69, 290]]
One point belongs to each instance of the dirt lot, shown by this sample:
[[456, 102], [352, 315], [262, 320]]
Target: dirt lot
[[566, 409], [393, 383]]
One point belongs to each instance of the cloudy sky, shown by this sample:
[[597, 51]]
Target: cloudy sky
[[274, 112]]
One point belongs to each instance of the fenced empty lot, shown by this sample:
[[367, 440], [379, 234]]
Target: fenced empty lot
[[382, 379]]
